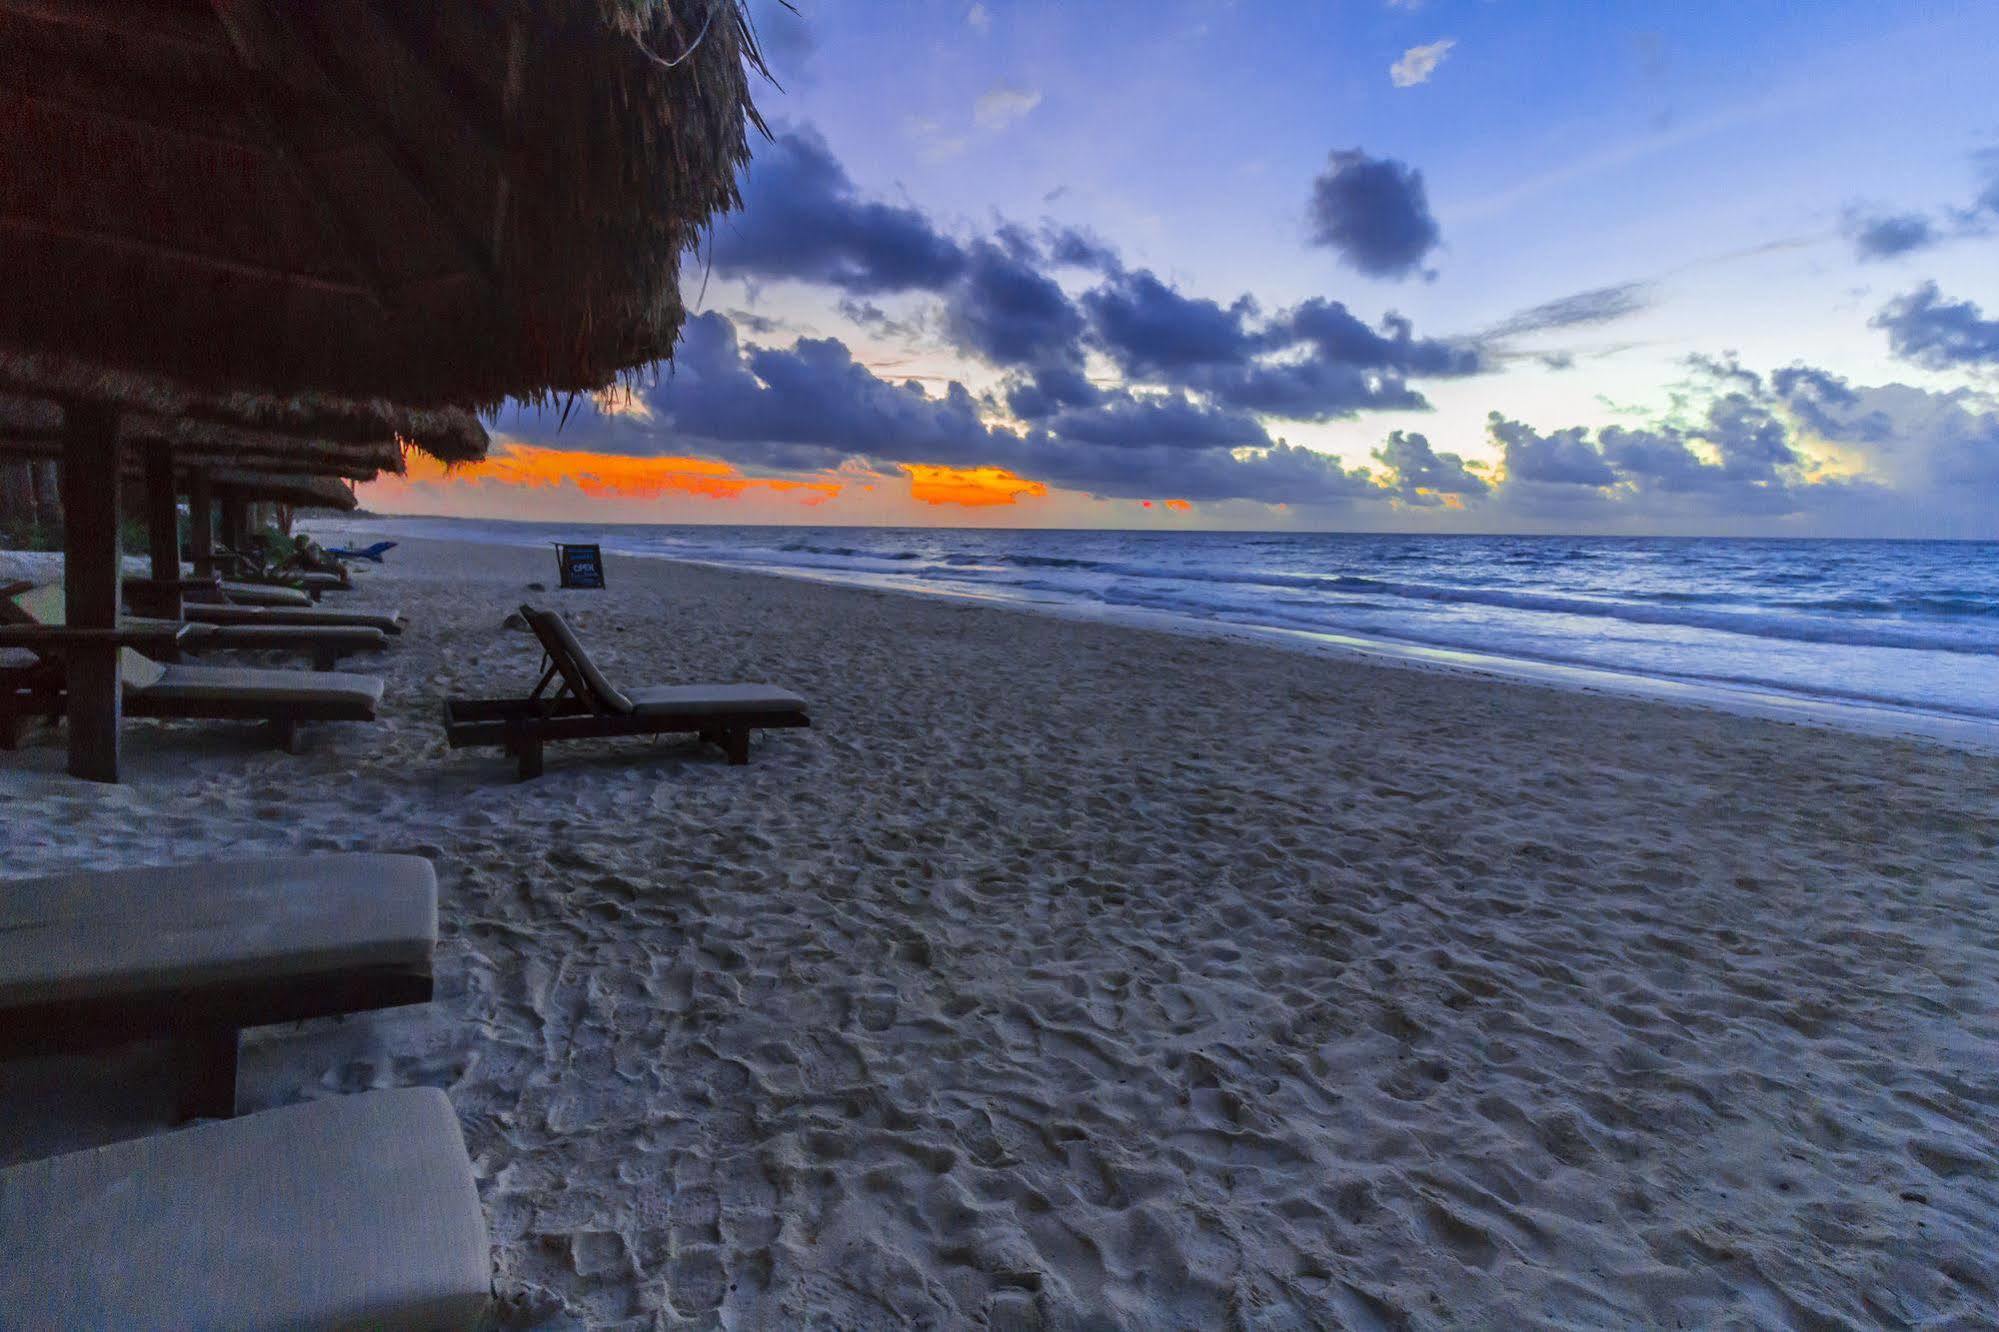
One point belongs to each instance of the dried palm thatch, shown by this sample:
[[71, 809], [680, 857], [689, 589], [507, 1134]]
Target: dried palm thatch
[[31, 427], [299, 492], [453, 202]]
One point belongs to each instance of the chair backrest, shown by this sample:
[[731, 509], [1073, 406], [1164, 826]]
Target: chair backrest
[[588, 683], [48, 604]]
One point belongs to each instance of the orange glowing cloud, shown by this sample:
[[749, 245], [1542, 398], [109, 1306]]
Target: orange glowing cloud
[[614, 475], [1179, 506], [974, 487]]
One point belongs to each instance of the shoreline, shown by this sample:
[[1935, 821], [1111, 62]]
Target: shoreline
[[1857, 716], [1063, 974]]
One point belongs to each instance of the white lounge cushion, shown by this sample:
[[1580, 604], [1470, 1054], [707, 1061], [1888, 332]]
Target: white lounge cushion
[[262, 594], [707, 700], [103, 933], [358, 1211], [256, 637], [232, 684], [389, 621]]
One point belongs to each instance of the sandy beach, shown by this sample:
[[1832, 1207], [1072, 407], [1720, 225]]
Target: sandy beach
[[1071, 975]]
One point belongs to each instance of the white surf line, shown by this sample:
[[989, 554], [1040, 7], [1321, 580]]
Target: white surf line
[[1851, 715]]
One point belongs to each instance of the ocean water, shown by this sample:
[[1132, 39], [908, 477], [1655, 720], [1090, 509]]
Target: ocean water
[[1895, 624]]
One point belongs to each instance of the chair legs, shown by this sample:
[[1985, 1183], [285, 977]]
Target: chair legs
[[209, 1089], [285, 735], [734, 741]]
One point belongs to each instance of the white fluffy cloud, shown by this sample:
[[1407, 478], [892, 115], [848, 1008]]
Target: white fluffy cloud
[[1418, 63], [1003, 105]]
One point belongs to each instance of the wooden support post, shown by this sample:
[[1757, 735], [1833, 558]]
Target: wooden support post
[[90, 584], [285, 735], [529, 753], [232, 521], [163, 532], [201, 524], [209, 1089]]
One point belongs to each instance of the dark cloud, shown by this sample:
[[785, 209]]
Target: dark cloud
[[1123, 420], [812, 406], [1424, 476], [1009, 313], [1153, 332], [1373, 213], [811, 401], [1049, 389], [1937, 333], [1074, 247], [1731, 459], [1599, 305], [1825, 403], [803, 219], [1335, 333], [1314, 362], [1561, 457], [1889, 235], [1753, 443], [1309, 390], [1728, 459]]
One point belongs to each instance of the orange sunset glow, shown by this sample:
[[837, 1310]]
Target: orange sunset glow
[[973, 487], [615, 475]]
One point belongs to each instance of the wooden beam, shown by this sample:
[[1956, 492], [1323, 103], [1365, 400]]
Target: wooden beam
[[90, 585], [163, 530]]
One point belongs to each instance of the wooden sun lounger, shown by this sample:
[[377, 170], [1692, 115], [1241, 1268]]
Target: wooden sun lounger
[[95, 959], [350, 1211], [587, 706], [24, 603], [389, 622], [284, 699], [254, 575], [324, 644]]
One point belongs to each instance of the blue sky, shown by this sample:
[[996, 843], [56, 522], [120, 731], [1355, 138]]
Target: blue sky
[[1729, 217]]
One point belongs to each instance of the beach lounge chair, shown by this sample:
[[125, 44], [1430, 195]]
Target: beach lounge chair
[[219, 609], [588, 706], [94, 959], [267, 594], [284, 699], [24, 603], [257, 582], [324, 644], [347, 1212]]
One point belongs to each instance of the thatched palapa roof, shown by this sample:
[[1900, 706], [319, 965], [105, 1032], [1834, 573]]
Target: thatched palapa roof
[[450, 202], [301, 492], [31, 427]]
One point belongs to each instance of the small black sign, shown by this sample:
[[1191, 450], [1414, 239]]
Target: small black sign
[[582, 566]]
